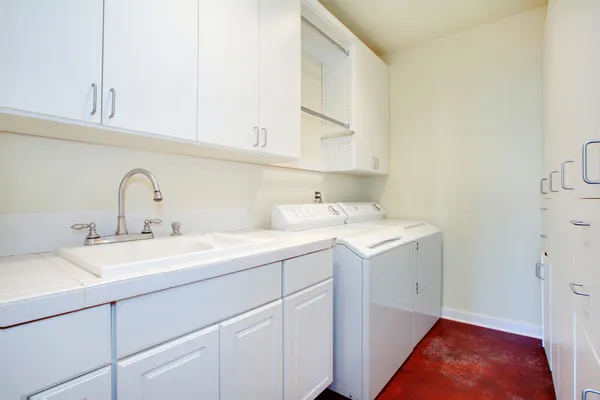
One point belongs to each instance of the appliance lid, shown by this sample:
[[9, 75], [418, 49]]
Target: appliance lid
[[370, 243], [361, 212]]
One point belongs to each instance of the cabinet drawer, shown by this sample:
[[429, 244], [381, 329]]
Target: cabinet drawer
[[304, 271], [588, 307], [93, 386], [587, 377], [41, 354], [148, 320]]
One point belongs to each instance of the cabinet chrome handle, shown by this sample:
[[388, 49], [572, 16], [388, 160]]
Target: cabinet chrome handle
[[376, 207], [95, 99], [333, 210], [588, 391], [562, 175], [266, 132], [544, 236], [113, 107], [550, 180], [257, 136], [544, 209], [586, 178], [577, 292], [538, 266], [579, 223], [542, 186]]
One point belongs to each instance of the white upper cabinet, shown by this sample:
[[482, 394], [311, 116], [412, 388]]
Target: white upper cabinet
[[252, 355], [151, 66], [51, 57], [371, 120], [249, 75], [228, 73], [280, 77], [185, 368]]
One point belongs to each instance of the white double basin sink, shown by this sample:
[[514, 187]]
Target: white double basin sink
[[112, 259]]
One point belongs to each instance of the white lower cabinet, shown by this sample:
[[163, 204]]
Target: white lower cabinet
[[587, 365], [308, 342], [93, 386], [252, 356], [185, 368]]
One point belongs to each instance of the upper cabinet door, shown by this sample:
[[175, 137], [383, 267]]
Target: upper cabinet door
[[371, 111], [150, 66], [228, 73], [184, 368], [51, 56], [280, 77], [252, 355]]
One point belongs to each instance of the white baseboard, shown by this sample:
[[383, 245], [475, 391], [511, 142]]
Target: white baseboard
[[498, 324]]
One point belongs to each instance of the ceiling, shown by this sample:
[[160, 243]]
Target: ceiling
[[388, 25]]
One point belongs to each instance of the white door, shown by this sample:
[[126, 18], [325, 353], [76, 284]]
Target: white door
[[587, 384], [51, 57], [228, 73], [150, 66], [545, 273], [429, 261], [184, 368], [252, 356], [280, 77], [308, 342], [388, 315], [93, 386], [428, 309]]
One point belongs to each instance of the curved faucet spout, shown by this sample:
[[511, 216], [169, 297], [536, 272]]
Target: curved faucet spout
[[121, 222]]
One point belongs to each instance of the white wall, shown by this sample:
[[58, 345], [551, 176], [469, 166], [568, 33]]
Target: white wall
[[466, 155], [49, 184]]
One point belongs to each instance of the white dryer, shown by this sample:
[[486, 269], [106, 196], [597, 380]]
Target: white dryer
[[428, 259], [373, 296]]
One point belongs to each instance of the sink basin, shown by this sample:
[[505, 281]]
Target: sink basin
[[113, 259]]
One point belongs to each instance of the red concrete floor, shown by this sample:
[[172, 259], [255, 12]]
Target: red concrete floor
[[459, 361]]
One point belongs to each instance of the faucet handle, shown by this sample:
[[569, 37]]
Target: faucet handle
[[176, 226], [92, 234], [148, 222]]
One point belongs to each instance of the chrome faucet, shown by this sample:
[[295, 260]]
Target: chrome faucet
[[121, 222], [121, 235]]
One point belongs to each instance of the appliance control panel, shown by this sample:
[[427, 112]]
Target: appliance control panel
[[361, 212], [301, 217]]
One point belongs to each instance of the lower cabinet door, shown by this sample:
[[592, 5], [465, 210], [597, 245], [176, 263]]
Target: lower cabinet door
[[587, 378], [251, 355], [93, 386], [308, 342], [184, 368]]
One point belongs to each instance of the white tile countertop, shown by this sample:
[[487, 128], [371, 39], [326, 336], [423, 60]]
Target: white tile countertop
[[37, 286]]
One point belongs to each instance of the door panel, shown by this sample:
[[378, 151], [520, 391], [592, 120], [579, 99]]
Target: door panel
[[50, 55], [252, 356], [93, 386], [428, 309], [308, 342], [185, 368], [388, 311], [280, 77], [228, 73], [429, 260], [151, 65]]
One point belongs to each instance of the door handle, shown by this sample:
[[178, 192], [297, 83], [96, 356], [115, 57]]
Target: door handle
[[579, 223], [538, 267], [113, 108], [550, 180], [542, 186], [95, 99], [563, 182], [588, 391], [584, 169], [386, 241], [257, 136], [266, 132], [577, 292]]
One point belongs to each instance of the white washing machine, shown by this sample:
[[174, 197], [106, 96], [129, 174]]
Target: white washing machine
[[428, 259], [373, 296]]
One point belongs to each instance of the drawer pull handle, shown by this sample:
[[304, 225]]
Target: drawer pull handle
[[586, 178], [544, 236], [577, 292], [588, 391], [552, 180], [563, 182], [579, 223], [542, 186]]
